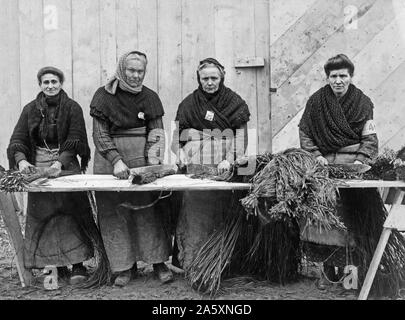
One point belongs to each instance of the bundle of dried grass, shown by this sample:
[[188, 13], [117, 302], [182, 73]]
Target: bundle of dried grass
[[285, 187], [365, 222], [383, 166], [293, 186], [206, 271]]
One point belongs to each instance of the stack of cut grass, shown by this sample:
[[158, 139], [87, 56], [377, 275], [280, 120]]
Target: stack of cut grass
[[12, 181], [285, 187], [383, 166], [365, 221], [206, 270], [292, 185]]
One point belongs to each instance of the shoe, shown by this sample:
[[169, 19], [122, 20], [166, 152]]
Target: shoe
[[134, 271], [164, 274], [63, 273], [79, 274], [123, 278]]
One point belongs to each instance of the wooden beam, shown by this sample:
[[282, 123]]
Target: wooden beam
[[13, 226]]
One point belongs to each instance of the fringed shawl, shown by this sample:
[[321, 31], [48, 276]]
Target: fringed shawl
[[334, 124], [230, 110], [123, 108], [71, 130]]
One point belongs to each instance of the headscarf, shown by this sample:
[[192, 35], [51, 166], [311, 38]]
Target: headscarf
[[230, 110], [206, 63], [120, 79]]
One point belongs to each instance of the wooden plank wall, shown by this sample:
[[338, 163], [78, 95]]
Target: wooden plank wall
[[85, 38], [304, 34]]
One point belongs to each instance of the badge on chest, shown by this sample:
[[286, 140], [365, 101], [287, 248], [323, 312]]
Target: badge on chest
[[209, 116]]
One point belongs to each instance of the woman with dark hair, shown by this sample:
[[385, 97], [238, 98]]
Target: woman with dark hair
[[337, 127], [51, 133], [211, 131]]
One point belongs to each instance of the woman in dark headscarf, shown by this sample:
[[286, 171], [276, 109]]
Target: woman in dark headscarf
[[211, 122], [51, 133], [128, 133]]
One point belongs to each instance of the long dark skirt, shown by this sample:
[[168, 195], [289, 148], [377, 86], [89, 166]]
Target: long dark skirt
[[56, 223], [202, 212], [54, 229], [130, 235]]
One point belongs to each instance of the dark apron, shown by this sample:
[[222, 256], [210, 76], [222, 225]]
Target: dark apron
[[130, 235], [59, 242]]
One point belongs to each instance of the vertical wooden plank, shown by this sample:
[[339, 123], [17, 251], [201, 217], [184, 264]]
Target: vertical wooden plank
[[127, 24], [147, 39], [57, 26], [108, 35], [10, 68], [245, 46], [197, 38], [225, 11], [31, 54], [13, 226], [86, 58], [169, 65], [262, 36]]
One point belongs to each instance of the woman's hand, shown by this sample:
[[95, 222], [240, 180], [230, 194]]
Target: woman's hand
[[223, 166], [322, 160], [182, 159], [25, 167], [55, 169], [121, 170]]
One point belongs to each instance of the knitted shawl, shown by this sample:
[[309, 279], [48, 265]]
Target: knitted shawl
[[230, 110], [334, 124], [71, 130]]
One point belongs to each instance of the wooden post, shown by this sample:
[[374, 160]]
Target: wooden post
[[13, 226], [368, 281], [385, 235]]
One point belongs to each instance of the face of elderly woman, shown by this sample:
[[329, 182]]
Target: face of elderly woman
[[339, 81], [50, 84], [135, 72], [210, 79]]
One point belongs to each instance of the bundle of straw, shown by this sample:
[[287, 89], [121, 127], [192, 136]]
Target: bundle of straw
[[293, 186], [206, 271]]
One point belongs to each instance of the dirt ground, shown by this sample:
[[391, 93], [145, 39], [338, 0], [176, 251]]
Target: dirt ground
[[145, 286]]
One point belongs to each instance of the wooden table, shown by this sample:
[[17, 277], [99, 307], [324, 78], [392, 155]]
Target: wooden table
[[76, 183]]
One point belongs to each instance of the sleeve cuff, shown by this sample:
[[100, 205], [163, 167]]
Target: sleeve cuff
[[65, 158], [113, 157], [18, 156]]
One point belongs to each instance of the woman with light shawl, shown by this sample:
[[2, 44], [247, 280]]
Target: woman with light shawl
[[211, 131], [128, 133]]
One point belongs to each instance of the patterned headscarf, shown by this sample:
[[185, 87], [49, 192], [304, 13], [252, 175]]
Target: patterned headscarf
[[119, 78]]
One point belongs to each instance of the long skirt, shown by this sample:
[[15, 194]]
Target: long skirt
[[201, 214], [54, 231], [130, 235]]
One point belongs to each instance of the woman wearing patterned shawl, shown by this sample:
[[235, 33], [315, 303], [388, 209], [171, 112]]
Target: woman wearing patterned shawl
[[211, 121], [337, 127], [128, 133], [51, 133]]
